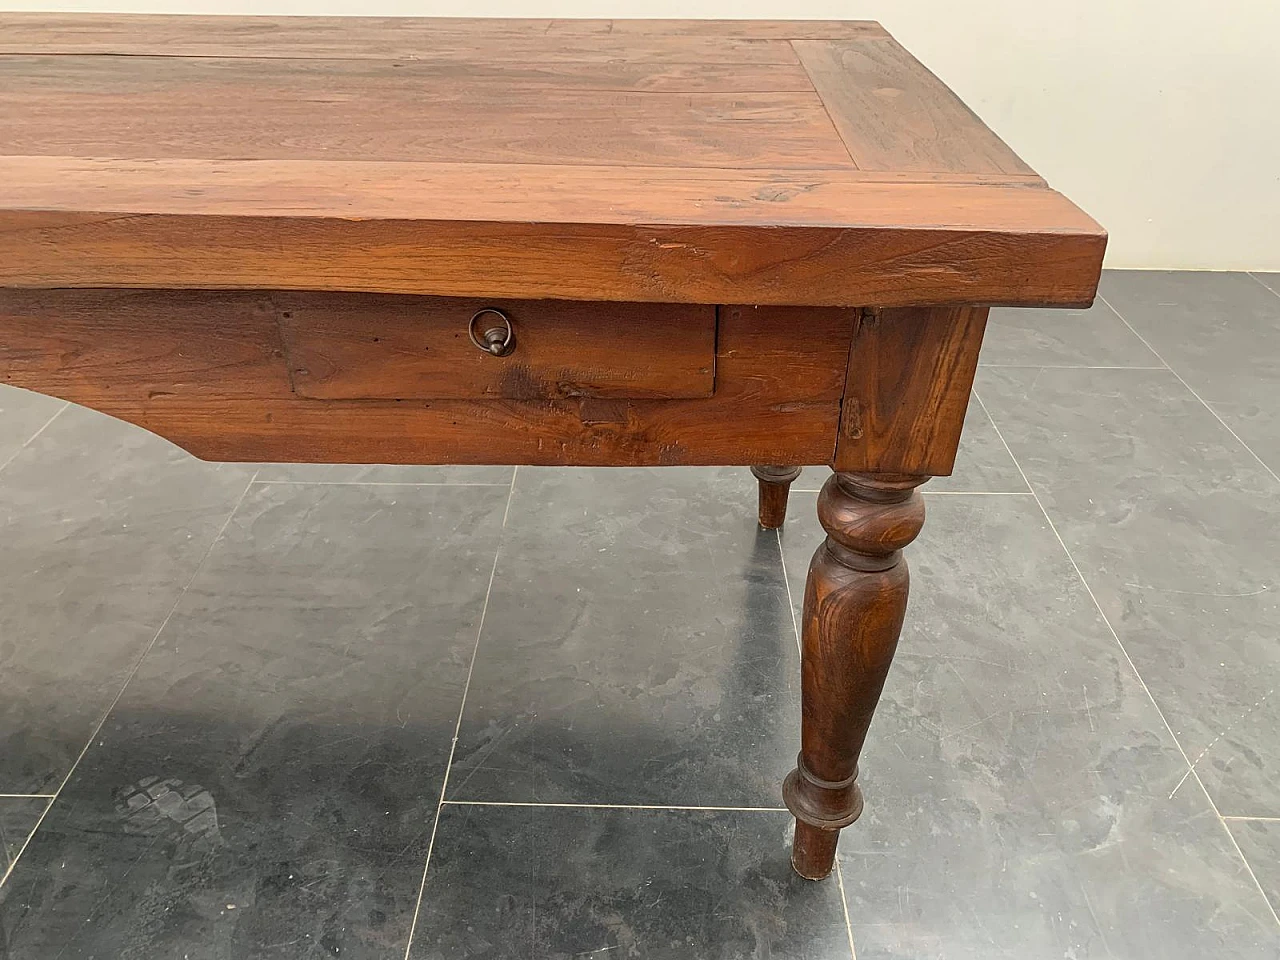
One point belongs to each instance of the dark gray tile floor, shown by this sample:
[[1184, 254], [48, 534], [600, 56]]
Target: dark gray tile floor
[[389, 712]]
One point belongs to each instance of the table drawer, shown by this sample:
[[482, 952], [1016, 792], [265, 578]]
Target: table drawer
[[383, 347]]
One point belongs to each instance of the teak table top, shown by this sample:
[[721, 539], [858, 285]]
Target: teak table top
[[762, 162]]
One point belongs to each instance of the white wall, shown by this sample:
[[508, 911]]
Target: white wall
[[1159, 117]]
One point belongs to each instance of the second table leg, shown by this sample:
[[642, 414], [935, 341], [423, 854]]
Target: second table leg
[[775, 485]]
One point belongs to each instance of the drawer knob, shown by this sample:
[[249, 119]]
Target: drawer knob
[[497, 336]]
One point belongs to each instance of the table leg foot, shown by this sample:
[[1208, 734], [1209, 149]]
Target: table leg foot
[[813, 852], [775, 485], [854, 602]]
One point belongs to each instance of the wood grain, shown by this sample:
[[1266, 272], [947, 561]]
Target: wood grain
[[895, 115], [538, 193], [527, 231], [103, 78], [98, 347], [910, 374], [755, 29], [378, 38], [389, 38], [220, 391], [220, 109], [375, 346]]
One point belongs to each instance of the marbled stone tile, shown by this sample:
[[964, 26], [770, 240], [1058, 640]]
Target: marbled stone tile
[[1259, 840], [983, 465], [103, 524], [638, 646], [1018, 777], [1177, 530], [381, 473], [543, 883], [1221, 333], [1063, 338], [267, 784], [18, 817], [1204, 324], [22, 413]]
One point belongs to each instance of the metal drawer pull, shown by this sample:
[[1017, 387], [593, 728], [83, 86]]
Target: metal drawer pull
[[497, 339]]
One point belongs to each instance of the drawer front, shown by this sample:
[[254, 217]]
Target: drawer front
[[384, 347]]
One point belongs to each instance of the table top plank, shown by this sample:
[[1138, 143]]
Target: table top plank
[[676, 161], [896, 115], [202, 108], [382, 38], [537, 193], [59, 74], [392, 38], [807, 266]]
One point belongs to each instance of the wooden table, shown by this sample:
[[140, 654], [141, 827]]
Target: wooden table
[[539, 242]]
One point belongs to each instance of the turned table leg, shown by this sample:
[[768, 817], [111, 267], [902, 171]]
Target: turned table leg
[[854, 602], [775, 484]]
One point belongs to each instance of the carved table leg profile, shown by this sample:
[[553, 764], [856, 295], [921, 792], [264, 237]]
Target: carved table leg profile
[[775, 485], [854, 603]]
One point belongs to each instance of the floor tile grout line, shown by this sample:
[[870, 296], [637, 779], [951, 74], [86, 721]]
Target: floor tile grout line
[[1225, 730], [610, 806], [791, 602], [1239, 852], [382, 483], [510, 496], [844, 902], [1241, 817], [32, 439], [1191, 770], [27, 796], [132, 673], [1248, 449], [1026, 484], [1260, 283], [13, 863], [462, 706]]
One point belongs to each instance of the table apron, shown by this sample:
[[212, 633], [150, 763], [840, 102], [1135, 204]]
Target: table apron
[[374, 378]]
